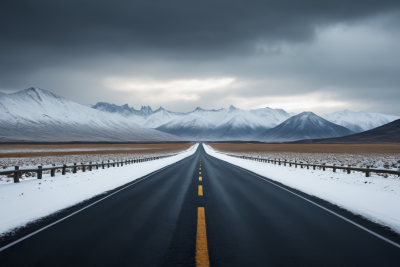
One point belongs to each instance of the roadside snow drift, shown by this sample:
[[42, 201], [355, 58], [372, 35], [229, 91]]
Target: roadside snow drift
[[29, 200], [374, 198]]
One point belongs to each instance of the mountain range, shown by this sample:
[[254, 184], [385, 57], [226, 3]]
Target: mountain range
[[237, 124], [37, 115], [222, 124]]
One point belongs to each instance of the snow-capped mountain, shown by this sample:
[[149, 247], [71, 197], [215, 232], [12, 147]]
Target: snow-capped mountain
[[223, 124], [305, 125], [36, 115], [359, 121]]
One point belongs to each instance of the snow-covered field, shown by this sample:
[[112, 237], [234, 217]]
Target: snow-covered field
[[360, 160], [46, 161], [71, 149], [375, 198], [32, 199]]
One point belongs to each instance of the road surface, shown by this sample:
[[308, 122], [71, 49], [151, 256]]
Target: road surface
[[233, 219]]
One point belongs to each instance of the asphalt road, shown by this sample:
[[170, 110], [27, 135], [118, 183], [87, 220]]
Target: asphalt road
[[249, 222]]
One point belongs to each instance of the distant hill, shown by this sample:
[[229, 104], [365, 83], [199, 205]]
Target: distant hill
[[305, 125], [385, 134], [359, 121]]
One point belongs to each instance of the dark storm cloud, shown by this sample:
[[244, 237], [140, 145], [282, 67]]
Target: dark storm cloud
[[179, 26], [70, 46]]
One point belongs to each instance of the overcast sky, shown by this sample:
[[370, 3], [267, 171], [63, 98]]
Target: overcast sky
[[319, 56]]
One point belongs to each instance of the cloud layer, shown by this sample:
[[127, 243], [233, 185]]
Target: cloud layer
[[301, 55]]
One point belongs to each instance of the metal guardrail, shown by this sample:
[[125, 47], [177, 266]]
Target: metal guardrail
[[17, 172], [367, 170]]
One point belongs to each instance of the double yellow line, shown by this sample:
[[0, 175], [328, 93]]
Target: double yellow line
[[201, 239]]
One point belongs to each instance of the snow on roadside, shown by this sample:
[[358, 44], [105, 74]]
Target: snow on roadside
[[27, 201], [374, 198]]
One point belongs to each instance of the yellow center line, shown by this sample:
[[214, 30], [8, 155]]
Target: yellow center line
[[199, 172], [200, 190], [199, 168], [200, 179], [202, 259]]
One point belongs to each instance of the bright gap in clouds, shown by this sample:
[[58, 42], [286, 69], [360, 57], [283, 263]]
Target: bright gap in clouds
[[164, 91], [123, 84]]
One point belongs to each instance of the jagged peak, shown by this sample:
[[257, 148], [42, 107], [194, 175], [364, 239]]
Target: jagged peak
[[231, 107]]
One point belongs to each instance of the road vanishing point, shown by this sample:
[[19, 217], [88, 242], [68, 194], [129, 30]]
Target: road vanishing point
[[202, 211]]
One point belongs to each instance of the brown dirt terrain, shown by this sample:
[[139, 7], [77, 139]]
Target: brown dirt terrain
[[308, 148], [87, 149]]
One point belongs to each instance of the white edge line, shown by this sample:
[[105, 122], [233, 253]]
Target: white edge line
[[340, 216], [62, 219]]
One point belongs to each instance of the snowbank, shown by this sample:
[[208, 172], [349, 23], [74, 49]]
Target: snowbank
[[374, 198], [23, 202]]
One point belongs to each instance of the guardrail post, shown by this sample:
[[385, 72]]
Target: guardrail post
[[323, 167], [313, 167], [279, 161], [113, 163], [16, 175], [122, 163], [290, 164], [90, 166], [39, 172], [83, 167], [334, 168], [348, 170], [53, 171], [74, 170], [284, 163], [367, 172], [97, 165], [108, 164], [295, 163], [102, 164], [301, 166], [64, 169]]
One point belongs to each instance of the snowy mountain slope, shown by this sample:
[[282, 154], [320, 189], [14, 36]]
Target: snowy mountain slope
[[237, 128], [305, 125], [1, 93], [157, 118], [37, 115], [191, 127], [359, 121]]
